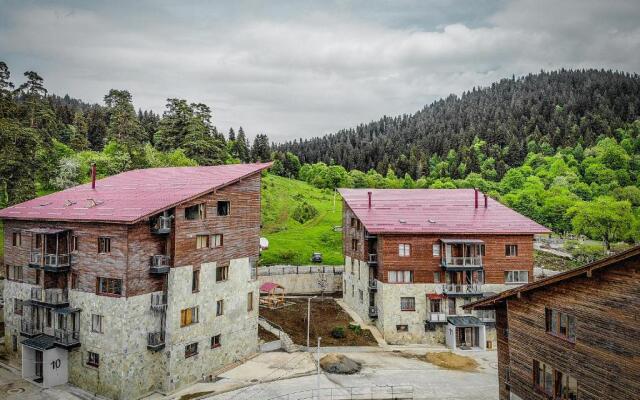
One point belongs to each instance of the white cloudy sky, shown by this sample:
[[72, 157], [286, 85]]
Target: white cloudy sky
[[306, 68]]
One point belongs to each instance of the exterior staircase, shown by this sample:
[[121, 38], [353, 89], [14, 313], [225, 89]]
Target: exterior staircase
[[285, 341]]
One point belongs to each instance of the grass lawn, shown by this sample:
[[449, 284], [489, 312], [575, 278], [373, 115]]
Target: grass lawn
[[325, 315], [291, 242]]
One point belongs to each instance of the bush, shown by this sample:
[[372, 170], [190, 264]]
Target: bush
[[304, 212], [355, 328], [338, 332]]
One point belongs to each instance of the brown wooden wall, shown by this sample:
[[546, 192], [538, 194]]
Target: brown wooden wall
[[605, 359], [240, 229], [349, 233]]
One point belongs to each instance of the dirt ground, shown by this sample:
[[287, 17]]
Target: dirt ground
[[266, 335], [325, 315]]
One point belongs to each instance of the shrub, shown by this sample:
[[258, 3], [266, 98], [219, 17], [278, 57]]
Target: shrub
[[355, 328], [304, 212], [287, 255], [338, 332]]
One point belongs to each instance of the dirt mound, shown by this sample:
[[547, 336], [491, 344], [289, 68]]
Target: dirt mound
[[334, 363], [451, 360]]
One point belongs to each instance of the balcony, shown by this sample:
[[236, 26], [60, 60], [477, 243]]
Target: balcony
[[50, 297], [373, 285], [160, 264], [161, 225], [67, 338], [155, 341], [462, 263], [158, 301], [486, 316], [29, 328], [453, 289], [51, 262], [373, 312], [373, 259], [437, 317], [368, 235]]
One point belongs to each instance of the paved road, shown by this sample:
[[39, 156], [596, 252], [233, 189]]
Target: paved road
[[382, 369]]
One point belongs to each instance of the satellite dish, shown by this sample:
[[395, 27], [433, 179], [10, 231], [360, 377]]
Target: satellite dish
[[438, 289], [264, 243]]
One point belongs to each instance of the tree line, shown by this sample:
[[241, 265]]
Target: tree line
[[553, 109], [48, 142]]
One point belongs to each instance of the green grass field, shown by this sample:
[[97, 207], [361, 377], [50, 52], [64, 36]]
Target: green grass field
[[291, 242]]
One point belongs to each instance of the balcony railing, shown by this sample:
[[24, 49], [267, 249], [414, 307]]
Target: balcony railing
[[462, 262], [67, 337], [486, 315], [29, 328], [373, 284], [53, 296], [373, 312], [49, 261], [437, 317], [158, 301], [155, 340], [462, 289], [161, 225], [373, 258], [160, 264]]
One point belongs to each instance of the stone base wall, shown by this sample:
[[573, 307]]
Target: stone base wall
[[13, 290], [237, 326], [304, 282], [356, 279]]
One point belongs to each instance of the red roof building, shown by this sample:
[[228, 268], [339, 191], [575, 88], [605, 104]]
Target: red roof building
[[414, 257], [131, 196]]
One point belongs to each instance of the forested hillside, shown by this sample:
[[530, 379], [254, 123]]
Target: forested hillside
[[554, 109]]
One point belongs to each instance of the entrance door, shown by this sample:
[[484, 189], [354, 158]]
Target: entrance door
[[38, 366]]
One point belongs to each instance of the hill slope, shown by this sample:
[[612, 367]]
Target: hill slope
[[292, 242], [557, 108]]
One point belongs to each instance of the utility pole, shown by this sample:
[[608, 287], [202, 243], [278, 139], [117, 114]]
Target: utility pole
[[318, 374], [309, 317]]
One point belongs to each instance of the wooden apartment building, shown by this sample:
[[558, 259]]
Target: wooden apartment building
[[139, 282], [571, 336], [414, 257]]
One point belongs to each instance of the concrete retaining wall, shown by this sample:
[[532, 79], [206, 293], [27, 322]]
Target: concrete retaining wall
[[305, 279]]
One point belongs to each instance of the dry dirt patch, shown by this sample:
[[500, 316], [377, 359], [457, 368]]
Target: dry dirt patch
[[449, 360], [325, 315]]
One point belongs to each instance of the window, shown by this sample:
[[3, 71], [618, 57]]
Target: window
[[353, 222], [104, 245], [14, 273], [435, 305], [554, 383], [37, 277], [74, 243], [188, 316], [436, 277], [451, 305], [402, 328], [224, 208], [190, 350], [354, 244], [560, 324], [96, 323], [482, 250], [358, 225], [249, 301], [74, 280], [215, 341], [16, 239], [353, 291], [436, 250], [18, 306], [195, 281], [216, 240], [110, 286], [198, 211], [93, 359], [361, 296], [48, 317], [516, 276], [404, 250], [202, 241], [407, 303], [222, 273], [511, 250], [400, 276], [14, 342], [219, 307]]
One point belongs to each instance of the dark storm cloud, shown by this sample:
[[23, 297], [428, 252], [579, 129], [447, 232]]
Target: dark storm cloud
[[305, 68]]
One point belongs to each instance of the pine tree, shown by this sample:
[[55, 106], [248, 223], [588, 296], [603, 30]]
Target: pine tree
[[7, 105], [240, 148], [78, 140], [260, 152], [232, 135], [124, 127]]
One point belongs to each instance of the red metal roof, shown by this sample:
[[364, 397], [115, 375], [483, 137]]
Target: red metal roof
[[450, 211], [130, 196]]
